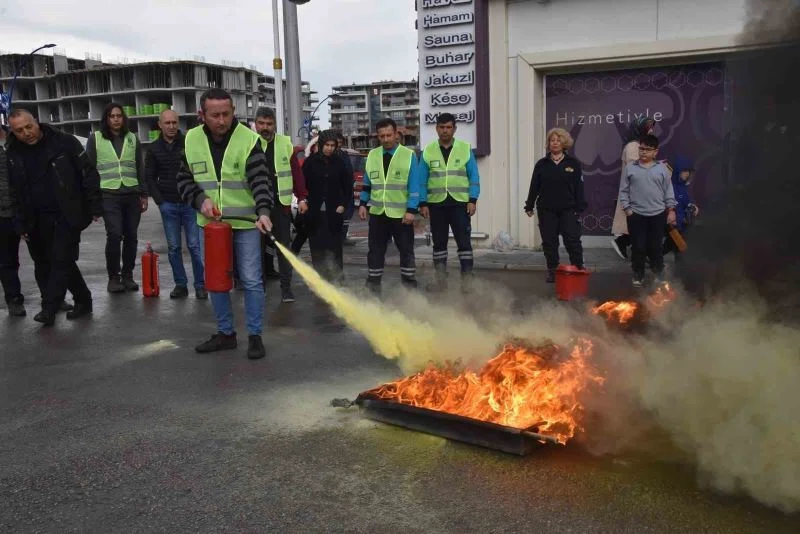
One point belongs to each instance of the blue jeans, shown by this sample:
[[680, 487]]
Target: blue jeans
[[247, 250], [174, 217]]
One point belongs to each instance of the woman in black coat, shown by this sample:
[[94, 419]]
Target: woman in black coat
[[330, 188]]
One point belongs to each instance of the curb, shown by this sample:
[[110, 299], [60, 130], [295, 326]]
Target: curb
[[394, 261]]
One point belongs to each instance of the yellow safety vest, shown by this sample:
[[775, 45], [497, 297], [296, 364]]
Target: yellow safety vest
[[116, 171], [389, 194], [450, 177], [283, 168], [230, 192]]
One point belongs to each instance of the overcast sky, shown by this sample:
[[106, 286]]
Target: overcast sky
[[341, 41]]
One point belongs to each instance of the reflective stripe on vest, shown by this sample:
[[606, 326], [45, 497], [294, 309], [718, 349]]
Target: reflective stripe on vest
[[283, 167], [447, 178], [389, 194], [116, 171], [231, 194]]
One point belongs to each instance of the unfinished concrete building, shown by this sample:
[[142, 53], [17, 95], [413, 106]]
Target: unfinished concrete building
[[356, 108], [71, 93]]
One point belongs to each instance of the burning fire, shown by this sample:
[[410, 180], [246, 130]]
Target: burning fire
[[521, 387], [623, 311], [663, 295]]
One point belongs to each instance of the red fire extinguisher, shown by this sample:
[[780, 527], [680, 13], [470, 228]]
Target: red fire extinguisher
[[218, 242], [150, 287]]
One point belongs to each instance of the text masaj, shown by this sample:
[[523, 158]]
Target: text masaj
[[572, 118]]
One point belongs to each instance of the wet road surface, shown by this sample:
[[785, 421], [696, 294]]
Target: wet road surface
[[115, 424]]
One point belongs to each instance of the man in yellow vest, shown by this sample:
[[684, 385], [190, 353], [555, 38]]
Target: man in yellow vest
[[449, 191], [391, 192], [116, 152], [224, 171], [287, 179]]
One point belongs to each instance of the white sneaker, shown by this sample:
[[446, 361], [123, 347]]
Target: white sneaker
[[637, 282]]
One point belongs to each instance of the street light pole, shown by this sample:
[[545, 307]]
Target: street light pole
[[292, 43], [7, 99], [310, 119], [277, 66]]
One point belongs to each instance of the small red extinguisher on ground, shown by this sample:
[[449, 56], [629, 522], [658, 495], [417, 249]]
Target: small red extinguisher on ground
[[218, 244], [150, 286]]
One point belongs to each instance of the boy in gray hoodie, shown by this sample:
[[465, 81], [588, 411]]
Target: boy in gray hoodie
[[648, 199]]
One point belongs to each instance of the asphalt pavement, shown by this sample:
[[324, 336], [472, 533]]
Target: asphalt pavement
[[115, 424]]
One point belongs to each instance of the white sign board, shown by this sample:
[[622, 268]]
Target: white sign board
[[446, 30]]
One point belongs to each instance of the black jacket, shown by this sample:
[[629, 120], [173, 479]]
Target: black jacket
[[557, 187], [327, 180], [5, 187], [162, 163], [74, 176]]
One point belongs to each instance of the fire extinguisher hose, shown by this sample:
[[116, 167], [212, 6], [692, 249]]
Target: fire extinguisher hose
[[232, 218]]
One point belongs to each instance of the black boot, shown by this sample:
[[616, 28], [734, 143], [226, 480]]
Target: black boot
[[47, 318], [80, 309], [16, 308], [255, 348], [551, 276], [115, 284], [218, 341], [129, 284]]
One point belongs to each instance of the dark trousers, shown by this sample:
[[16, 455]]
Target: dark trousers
[[54, 247], [443, 218], [281, 229], [325, 241], [121, 214], [301, 233], [9, 261], [9, 264], [381, 229], [647, 238], [564, 223]]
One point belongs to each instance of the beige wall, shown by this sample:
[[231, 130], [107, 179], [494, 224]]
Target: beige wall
[[529, 39]]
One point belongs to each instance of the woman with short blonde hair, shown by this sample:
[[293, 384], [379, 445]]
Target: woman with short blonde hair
[[557, 192], [566, 139]]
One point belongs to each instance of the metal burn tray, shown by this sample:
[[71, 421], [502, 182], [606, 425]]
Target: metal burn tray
[[450, 426]]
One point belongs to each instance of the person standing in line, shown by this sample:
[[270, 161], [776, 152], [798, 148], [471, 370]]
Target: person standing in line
[[619, 228], [287, 180], [117, 154], [685, 209], [329, 188], [162, 164], [556, 190], [55, 191], [9, 247], [391, 195], [224, 173], [648, 199], [9, 240], [450, 186], [350, 207]]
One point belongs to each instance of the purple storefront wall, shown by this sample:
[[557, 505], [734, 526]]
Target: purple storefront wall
[[687, 101]]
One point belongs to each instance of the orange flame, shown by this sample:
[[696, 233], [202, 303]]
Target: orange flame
[[662, 296], [623, 311], [521, 388]]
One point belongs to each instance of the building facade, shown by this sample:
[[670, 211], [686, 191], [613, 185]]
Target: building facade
[[266, 96], [356, 109], [71, 93], [589, 66]]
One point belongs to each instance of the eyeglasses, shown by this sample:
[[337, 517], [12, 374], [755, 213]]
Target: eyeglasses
[[647, 149]]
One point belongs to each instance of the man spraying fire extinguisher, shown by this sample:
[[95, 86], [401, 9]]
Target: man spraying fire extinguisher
[[224, 172]]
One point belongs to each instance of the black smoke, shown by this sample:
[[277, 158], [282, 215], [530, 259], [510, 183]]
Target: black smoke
[[751, 235]]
